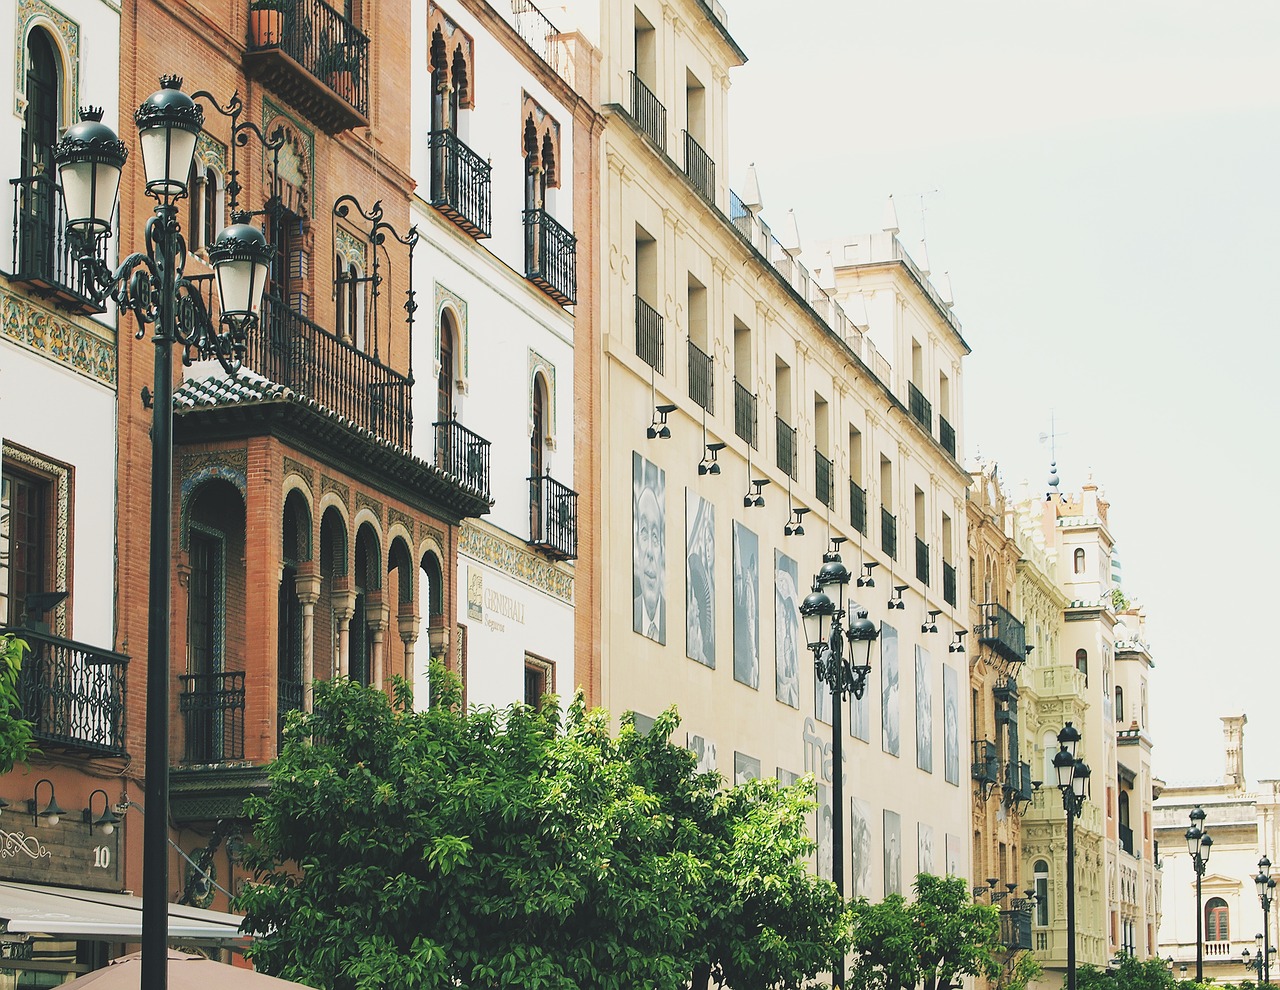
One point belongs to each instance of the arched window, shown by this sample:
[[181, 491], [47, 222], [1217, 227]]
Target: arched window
[[537, 462], [1217, 926], [1078, 557], [1119, 703], [1041, 871], [39, 133], [1122, 815], [1082, 661]]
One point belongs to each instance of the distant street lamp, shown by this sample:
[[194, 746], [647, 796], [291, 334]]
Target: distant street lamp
[[1199, 845], [1266, 885], [1073, 782]]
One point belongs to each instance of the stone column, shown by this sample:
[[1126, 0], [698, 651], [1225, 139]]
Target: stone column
[[344, 607], [407, 621], [307, 586], [378, 617]]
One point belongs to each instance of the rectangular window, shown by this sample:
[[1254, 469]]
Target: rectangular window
[[29, 534], [204, 652], [539, 680]]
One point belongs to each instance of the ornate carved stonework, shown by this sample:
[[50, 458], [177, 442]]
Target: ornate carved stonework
[[396, 516], [199, 466], [516, 561], [29, 14], [301, 470], [85, 347], [328, 484], [364, 501]]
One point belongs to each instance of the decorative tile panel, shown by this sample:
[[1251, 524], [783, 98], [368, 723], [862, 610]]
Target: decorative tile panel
[[87, 348], [516, 561], [199, 466]]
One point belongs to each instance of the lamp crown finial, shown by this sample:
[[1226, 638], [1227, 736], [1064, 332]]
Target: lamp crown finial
[[91, 113], [241, 216], [170, 81]]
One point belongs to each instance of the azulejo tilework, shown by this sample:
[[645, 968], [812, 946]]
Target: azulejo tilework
[[30, 13], [516, 561], [84, 347]]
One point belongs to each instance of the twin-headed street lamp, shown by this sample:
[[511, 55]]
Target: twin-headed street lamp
[[1266, 885], [152, 285], [1199, 845], [1073, 783], [825, 636]]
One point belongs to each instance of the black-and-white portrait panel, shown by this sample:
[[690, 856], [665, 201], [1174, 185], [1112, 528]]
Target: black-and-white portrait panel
[[746, 606], [745, 768], [700, 579], [786, 628], [825, 832], [649, 548], [892, 853], [705, 752], [955, 856], [924, 850], [950, 724], [890, 701], [860, 846], [787, 778], [924, 709]]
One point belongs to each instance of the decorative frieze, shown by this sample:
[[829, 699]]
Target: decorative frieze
[[301, 470], [516, 561], [85, 347], [328, 484], [395, 516], [366, 501]]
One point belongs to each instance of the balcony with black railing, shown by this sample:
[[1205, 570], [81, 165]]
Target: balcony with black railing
[[463, 455], [212, 708], [785, 451], [986, 764], [550, 256], [946, 435], [460, 181], [922, 561], [289, 698], [291, 350], [1015, 929], [1017, 784], [553, 518], [650, 345], [948, 583], [313, 56], [1126, 838], [1004, 635], [857, 507], [889, 533], [73, 694], [921, 409], [44, 254], [822, 486], [744, 413], [649, 114], [699, 168], [702, 381]]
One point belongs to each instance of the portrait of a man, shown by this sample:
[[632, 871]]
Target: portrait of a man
[[924, 709], [786, 629], [746, 606], [890, 703], [648, 549], [950, 725], [700, 579]]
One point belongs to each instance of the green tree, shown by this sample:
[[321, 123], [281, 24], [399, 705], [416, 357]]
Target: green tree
[[16, 740], [1021, 969], [517, 848], [933, 941], [1150, 974]]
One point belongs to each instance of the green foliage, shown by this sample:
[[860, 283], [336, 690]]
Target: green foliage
[[1150, 974], [932, 941], [1119, 603], [1019, 972], [16, 740], [522, 849]]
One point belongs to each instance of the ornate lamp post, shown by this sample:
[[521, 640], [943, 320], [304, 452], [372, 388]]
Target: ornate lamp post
[[1266, 885], [1073, 783], [1199, 845], [824, 634], [90, 158]]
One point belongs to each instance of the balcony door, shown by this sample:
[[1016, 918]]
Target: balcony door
[[39, 134], [204, 647], [537, 466], [444, 395]]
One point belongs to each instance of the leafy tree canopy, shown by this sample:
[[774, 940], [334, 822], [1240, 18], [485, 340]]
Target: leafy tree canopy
[[1130, 974], [524, 849], [16, 740]]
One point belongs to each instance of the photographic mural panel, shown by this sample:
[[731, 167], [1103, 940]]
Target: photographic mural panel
[[746, 606], [648, 549], [786, 629], [700, 579]]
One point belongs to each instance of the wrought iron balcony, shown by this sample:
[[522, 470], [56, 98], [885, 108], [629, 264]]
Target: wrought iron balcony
[[786, 450], [1002, 633], [922, 561], [542, 36], [946, 435], [553, 518], [1015, 929], [699, 167], [702, 382], [822, 485], [857, 507], [888, 533], [44, 255], [212, 709], [315, 58], [459, 182], [986, 764], [550, 256], [650, 345], [73, 694], [294, 351], [1017, 782], [948, 583], [1126, 838], [289, 698], [921, 409], [744, 413], [650, 115], [463, 454]]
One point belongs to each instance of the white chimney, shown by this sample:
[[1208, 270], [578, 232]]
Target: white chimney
[[890, 225], [751, 197]]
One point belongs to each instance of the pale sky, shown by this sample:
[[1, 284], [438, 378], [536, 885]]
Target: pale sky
[[1107, 206]]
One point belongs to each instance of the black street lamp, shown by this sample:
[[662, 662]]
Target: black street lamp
[[824, 634], [152, 285], [1266, 885], [1073, 783], [1199, 845]]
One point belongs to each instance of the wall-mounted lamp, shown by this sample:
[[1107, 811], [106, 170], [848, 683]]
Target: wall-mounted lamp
[[50, 814], [795, 525], [708, 464], [930, 625], [1023, 805], [833, 549], [106, 821], [755, 499], [895, 600], [866, 580], [658, 428], [1028, 648], [958, 645]]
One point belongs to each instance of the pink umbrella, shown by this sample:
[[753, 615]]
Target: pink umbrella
[[186, 972]]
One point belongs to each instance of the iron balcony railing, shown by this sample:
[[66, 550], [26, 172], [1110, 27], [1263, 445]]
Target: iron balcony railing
[[650, 346], [888, 533], [702, 383], [922, 561], [986, 764], [946, 435], [1018, 785], [541, 35], [44, 254], [1002, 633], [289, 698], [550, 256], [648, 113], [699, 167], [822, 486], [460, 181], [1126, 838], [463, 454], [294, 351], [212, 710], [1015, 929], [327, 45], [948, 583], [553, 518], [740, 216], [72, 694], [921, 410], [857, 507], [744, 413], [786, 448]]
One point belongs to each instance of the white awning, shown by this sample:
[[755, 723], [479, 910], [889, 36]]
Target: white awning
[[69, 912]]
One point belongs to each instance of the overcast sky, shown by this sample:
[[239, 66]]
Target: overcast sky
[[1100, 181]]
